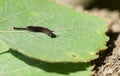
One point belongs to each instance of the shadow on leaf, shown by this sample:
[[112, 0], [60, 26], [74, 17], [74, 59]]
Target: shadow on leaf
[[63, 68]]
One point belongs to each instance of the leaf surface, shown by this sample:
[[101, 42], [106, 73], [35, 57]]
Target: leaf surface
[[79, 35], [3, 47]]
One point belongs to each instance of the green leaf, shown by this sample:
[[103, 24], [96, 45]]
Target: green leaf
[[3, 47], [16, 64], [79, 35]]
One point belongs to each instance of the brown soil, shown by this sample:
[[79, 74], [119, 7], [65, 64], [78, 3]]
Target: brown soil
[[108, 63]]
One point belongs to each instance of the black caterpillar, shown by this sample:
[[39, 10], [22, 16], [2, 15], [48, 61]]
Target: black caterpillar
[[38, 29]]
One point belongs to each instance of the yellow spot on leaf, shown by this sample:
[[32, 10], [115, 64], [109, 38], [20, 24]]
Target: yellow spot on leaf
[[34, 14], [92, 53], [99, 32]]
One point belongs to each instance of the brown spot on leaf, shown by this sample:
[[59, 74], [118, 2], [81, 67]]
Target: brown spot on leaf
[[73, 55]]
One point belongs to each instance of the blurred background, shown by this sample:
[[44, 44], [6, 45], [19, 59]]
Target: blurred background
[[101, 4]]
